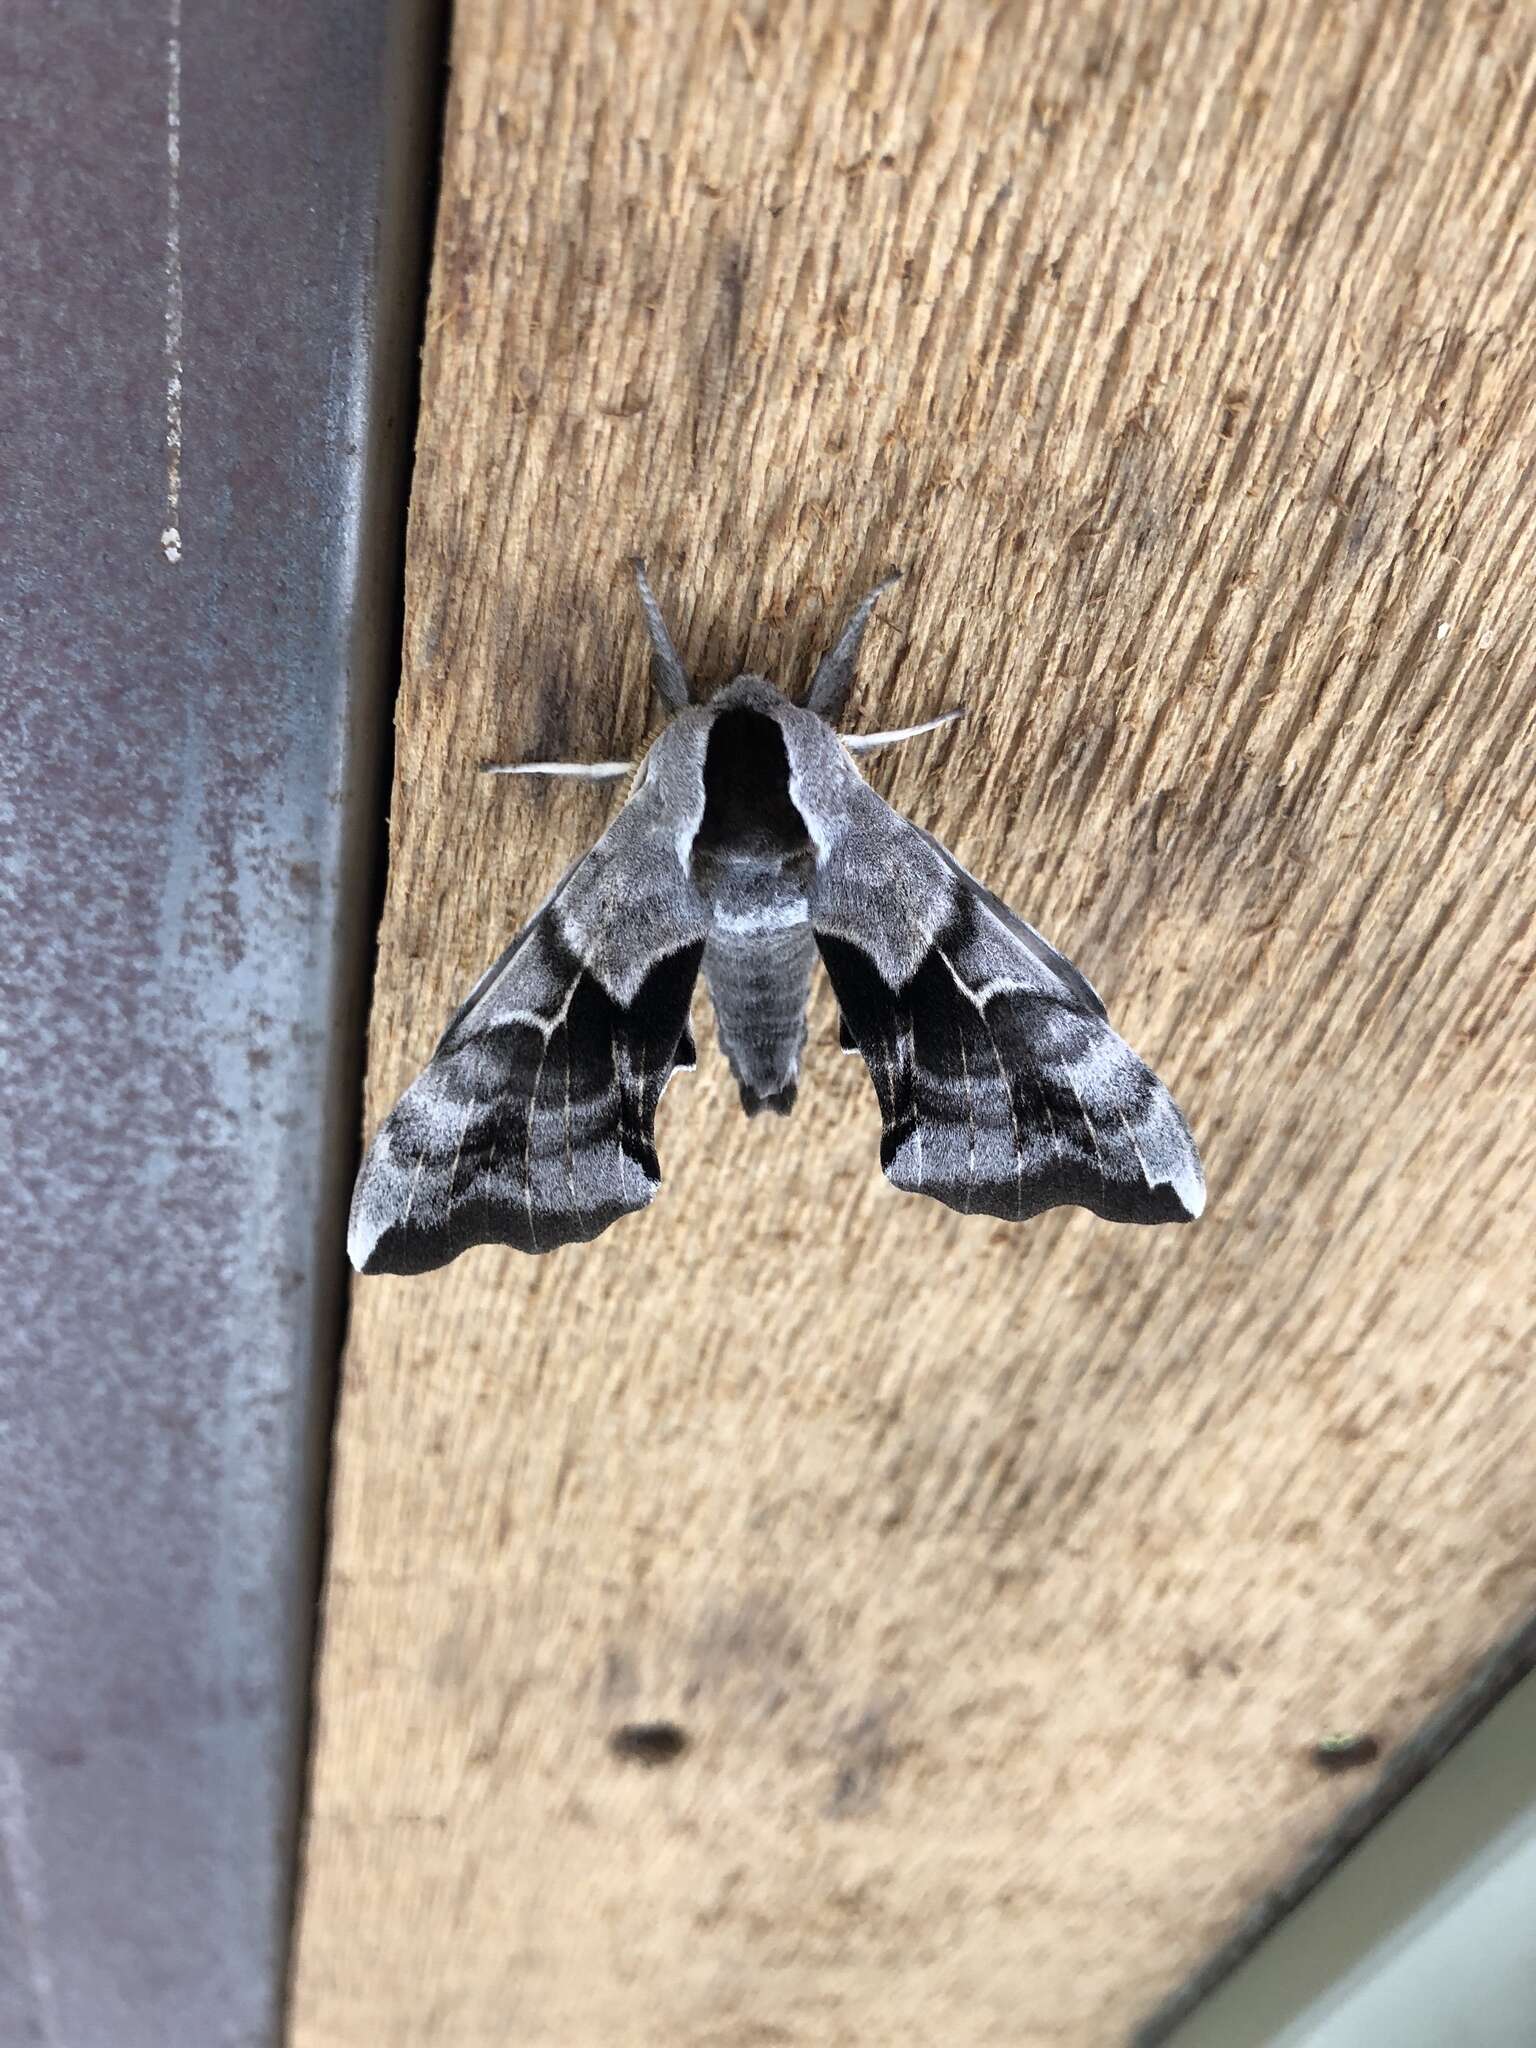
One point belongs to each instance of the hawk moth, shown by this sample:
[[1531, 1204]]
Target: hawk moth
[[748, 845]]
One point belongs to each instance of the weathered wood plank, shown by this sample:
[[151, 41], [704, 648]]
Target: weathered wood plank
[[1002, 1579]]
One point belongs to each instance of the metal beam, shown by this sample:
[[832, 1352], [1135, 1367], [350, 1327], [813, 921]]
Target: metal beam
[[212, 305]]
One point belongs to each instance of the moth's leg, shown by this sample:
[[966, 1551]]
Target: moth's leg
[[865, 742], [668, 675], [834, 675], [578, 771]]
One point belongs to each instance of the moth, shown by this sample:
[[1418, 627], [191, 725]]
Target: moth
[[749, 845]]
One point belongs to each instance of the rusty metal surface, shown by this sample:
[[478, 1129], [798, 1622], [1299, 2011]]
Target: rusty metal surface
[[211, 291]]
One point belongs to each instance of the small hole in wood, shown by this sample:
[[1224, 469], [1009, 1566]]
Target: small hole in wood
[[648, 1742], [1345, 1752]]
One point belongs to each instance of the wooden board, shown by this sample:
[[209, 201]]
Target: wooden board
[[1001, 1579]]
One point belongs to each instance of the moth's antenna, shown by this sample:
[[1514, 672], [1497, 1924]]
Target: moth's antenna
[[866, 742], [578, 771], [834, 675], [667, 672]]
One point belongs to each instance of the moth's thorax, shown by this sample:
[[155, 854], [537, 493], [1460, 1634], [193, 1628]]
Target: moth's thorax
[[752, 854], [749, 780], [753, 863], [821, 772], [747, 805]]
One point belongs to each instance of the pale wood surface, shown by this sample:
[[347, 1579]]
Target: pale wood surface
[[1002, 1577]]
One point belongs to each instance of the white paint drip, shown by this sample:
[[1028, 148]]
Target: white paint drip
[[170, 538]]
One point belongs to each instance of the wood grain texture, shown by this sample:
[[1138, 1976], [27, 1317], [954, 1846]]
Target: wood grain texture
[[1001, 1578]]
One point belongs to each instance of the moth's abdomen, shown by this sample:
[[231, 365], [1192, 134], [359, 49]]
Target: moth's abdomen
[[753, 863], [760, 983]]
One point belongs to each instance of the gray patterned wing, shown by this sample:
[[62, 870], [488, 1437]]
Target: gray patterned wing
[[534, 1123], [1002, 1087]]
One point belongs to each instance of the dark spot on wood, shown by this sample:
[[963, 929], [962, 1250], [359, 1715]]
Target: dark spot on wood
[[1345, 1752], [867, 1758], [719, 352], [1155, 812], [754, 1635], [619, 1679], [1196, 1663], [651, 1743]]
